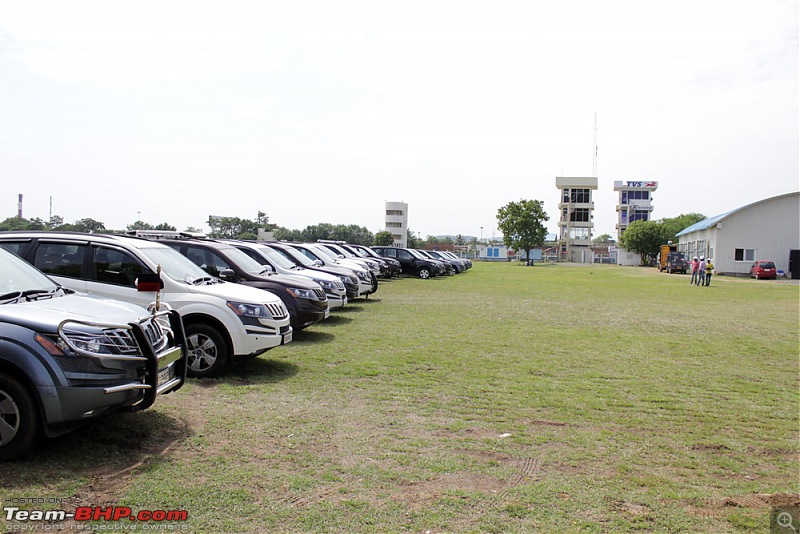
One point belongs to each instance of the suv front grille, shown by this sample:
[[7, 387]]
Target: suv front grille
[[339, 285], [155, 334], [121, 339], [278, 310], [320, 293]]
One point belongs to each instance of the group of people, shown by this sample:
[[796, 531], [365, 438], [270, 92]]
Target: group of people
[[701, 271]]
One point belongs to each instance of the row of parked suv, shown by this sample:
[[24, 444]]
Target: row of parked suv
[[226, 300]]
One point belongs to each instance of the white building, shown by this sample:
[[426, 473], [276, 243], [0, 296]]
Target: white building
[[765, 230], [397, 222], [634, 204], [575, 222]]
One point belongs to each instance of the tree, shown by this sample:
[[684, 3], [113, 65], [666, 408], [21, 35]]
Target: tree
[[56, 222], [645, 238], [166, 227], [139, 225], [352, 233], [284, 234], [384, 238], [14, 223], [87, 225], [604, 239], [676, 224], [522, 224], [413, 241]]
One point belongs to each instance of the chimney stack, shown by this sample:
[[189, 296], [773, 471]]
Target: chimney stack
[[19, 209]]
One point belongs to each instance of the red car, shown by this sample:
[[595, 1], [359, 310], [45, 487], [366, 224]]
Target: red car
[[763, 269]]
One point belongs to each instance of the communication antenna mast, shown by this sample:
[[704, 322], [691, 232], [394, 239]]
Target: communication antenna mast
[[594, 162]]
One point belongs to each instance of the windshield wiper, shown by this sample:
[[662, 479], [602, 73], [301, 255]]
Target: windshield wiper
[[202, 279], [14, 296]]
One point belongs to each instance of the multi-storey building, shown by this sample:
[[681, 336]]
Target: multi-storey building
[[634, 204], [397, 222], [575, 222]]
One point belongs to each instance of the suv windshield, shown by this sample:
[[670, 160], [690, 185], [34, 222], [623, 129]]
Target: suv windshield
[[243, 261], [767, 265], [296, 255], [276, 257], [20, 279], [174, 264], [320, 251]]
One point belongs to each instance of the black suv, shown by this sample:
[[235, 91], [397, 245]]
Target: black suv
[[393, 267], [411, 261], [305, 300]]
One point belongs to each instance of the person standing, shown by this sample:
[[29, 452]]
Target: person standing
[[701, 272], [709, 270], [695, 265]]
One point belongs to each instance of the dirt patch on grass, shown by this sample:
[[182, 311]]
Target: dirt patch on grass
[[720, 507]]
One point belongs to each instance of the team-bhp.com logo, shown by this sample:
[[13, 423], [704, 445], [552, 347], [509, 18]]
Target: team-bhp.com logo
[[93, 513]]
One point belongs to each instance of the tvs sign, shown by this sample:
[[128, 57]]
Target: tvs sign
[[636, 185]]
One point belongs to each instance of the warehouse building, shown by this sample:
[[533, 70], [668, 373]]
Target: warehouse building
[[765, 230]]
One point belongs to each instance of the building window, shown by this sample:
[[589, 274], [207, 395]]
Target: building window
[[579, 233], [639, 215], [744, 254], [579, 215], [394, 212], [580, 196], [634, 195], [394, 225]]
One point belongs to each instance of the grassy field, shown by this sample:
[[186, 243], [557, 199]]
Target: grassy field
[[506, 399]]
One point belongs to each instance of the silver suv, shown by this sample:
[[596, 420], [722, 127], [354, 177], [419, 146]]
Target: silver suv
[[223, 321], [68, 358]]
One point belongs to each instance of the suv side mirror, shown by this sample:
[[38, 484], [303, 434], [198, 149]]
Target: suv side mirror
[[227, 274], [318, 263], [267, 268]]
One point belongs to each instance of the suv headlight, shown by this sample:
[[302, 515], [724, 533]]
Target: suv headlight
[[326, 284], [300, 293], [362, 275], [243, 309]]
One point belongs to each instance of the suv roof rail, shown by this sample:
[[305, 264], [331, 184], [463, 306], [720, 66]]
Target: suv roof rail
[[332, 241], [168, 234]]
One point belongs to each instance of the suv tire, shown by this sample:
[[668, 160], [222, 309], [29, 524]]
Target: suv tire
[[424, 273], [19, 418], [208, 352]]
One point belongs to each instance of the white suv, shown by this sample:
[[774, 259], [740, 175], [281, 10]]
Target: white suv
[[331, 284], [223, 321]]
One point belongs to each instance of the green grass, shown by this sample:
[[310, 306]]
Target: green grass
[[505, 399]]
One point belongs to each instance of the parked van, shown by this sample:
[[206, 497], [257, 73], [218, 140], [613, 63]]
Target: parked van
[[223, 321]]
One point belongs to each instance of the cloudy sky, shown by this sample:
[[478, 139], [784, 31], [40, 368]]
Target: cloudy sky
[[320, 111]]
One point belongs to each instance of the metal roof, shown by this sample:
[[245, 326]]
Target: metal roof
[[711, 221], [704, 224]]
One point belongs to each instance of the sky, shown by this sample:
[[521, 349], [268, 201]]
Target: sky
[[320, 112]]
